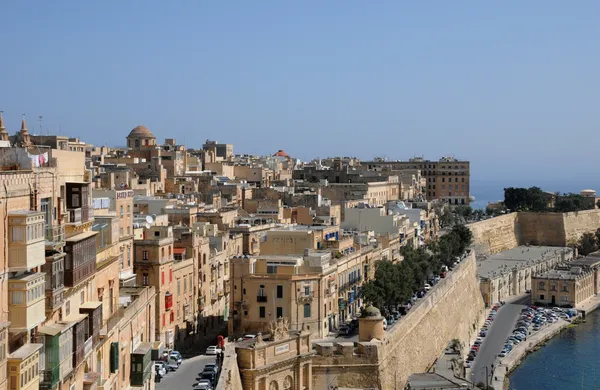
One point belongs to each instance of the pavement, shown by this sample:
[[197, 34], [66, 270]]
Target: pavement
[[493, 343], [185, 377]]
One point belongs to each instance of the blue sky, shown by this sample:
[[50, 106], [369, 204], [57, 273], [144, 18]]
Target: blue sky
[[512, 86]]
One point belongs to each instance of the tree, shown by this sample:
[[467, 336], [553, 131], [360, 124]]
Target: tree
[[464, 211], [384, 291], [525, 199], [587, 244]]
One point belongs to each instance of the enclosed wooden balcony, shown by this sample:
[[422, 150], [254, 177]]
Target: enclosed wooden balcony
[[80, 262], [26, 303], [26, 240]]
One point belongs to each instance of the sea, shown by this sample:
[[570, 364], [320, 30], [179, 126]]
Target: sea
[[568, 361], [486, 191]]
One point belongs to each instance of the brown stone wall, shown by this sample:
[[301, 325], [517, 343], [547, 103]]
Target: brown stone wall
[[496, 234], [541, 229], [577, 223], [230, 373], [450, 311], [553, 229]]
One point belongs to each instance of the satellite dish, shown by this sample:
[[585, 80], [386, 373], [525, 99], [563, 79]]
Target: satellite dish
[[147, 226], [149, 219]]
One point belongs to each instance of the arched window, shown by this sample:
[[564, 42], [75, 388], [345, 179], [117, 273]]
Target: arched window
[[273, 386], [147, 142], [162, 252], [137, 143]]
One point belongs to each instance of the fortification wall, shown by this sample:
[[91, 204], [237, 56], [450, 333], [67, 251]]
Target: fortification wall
[[580, 222], [541, 229], [451, 311], [230, 374], [553, 229], [495, 234]]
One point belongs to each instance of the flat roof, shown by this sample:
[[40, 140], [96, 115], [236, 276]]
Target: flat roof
[[559, 274], [589, 261], [81, 236], [519, 257], [54, 329], [25, 351], [91, 305]]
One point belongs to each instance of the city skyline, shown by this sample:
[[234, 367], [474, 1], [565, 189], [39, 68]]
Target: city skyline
[[511, 91]]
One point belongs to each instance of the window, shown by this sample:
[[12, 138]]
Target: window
[[162, 277], [178, 287], [68, 308], [163, 320], [271, 269], [82, 297], [463, 179], [17, 233], [541, 297], [261, 291], [279, 312], [564, 289], [443, 179], [145, 255], [564, 298], [306, 290], [17, 297], [128, 256], [172, 316], [170, 274], [261, 311], [306, 310], [553, 287], [279, 291], [145, 279], [121, 211], [542, 286]]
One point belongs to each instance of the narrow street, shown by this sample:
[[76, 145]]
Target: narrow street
[[493, 343], [185, 377]]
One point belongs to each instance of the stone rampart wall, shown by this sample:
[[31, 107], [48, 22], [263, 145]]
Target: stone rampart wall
[[495, 234], [580, 222], [541, 228], [452, 310], [553, 229], [230, 374]]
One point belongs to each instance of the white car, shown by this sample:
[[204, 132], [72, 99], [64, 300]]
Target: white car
[[213, 350], [249, 336], [427, 287]]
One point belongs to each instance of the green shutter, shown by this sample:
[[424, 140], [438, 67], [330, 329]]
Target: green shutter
[[114, 357]]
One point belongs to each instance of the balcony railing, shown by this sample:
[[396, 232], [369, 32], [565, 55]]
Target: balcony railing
[[55, 233], [305, 298], [79, 215], [87, 346], [261, 298]]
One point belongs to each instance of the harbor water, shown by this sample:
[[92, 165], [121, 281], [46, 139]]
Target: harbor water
[[571, 360]]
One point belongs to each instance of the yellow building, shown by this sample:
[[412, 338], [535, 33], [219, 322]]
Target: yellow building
[[566, 287]]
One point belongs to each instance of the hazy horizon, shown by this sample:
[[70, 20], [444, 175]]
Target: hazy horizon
[[511, 87]]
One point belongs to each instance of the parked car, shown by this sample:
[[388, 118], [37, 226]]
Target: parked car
[[427, 287], [161, 368], [213, 350], [175, 355], [249, 336], [385, 324], [172, 365], [209, 375], [202, 386], [214, 366]]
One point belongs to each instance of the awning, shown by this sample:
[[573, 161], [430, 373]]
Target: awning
[[179, 251]]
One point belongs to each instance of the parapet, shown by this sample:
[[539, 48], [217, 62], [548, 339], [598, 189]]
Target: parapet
[[346, 353]]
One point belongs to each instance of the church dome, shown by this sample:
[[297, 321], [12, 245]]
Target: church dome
[[281, 153], [141, 131]]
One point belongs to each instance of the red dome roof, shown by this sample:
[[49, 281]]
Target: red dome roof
[[281, 153]]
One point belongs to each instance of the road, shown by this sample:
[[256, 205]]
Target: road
[[493, 343], [186, 375]]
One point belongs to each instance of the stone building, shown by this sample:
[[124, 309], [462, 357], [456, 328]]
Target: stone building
[[568, 285], [282, 360], [447, 179], [510, 273]]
